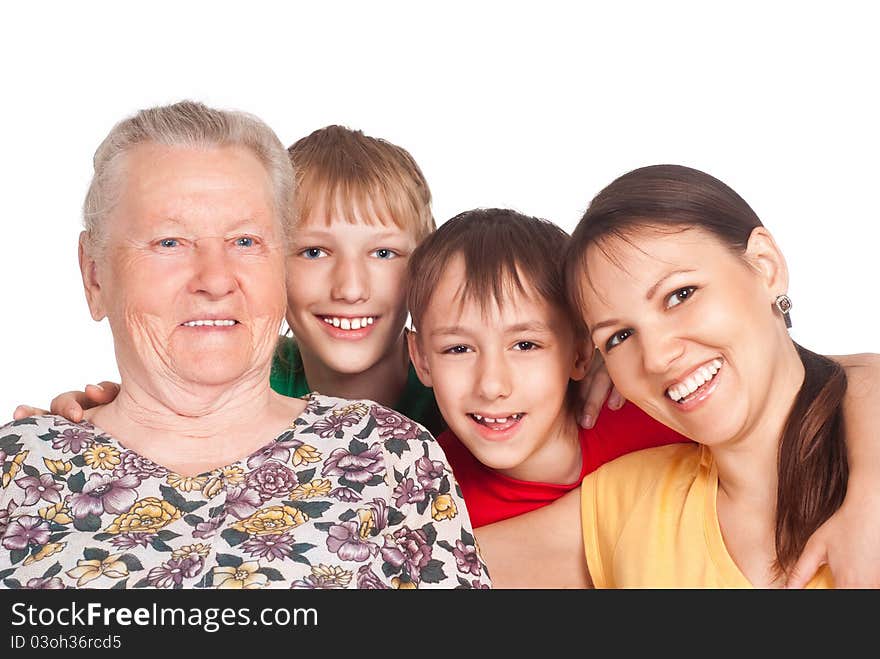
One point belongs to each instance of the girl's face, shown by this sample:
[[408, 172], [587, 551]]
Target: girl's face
[[688, 328]]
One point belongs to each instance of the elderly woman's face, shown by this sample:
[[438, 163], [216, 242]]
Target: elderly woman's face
[[192, 278]]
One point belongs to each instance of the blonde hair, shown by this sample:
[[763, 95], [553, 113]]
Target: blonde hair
[[187, 124], [348, 171]]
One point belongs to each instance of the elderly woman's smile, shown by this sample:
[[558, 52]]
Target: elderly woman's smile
[[191, 275]]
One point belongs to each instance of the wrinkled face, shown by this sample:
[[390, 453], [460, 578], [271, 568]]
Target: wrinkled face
[[687, 328], [346, 291], [500, 376], [192, 278]]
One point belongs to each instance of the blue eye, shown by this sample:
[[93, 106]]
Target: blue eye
[[245, 241], [169, 242], [680, 296], [313, 253], [525, 345], [384, 253], [618, 338]]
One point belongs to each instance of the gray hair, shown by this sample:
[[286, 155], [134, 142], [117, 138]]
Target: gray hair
[[188, 124]]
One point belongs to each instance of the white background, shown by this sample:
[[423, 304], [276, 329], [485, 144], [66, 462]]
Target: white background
[[502, 104]]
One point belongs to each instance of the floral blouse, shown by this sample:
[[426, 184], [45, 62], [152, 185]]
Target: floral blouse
[[352, 495]]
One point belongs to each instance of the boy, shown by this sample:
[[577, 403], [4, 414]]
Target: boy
[[495, 340], [361, 207]]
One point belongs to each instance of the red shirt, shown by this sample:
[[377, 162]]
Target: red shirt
[[491, 496]]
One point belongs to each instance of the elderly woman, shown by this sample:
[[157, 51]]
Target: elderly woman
[[198, 475]]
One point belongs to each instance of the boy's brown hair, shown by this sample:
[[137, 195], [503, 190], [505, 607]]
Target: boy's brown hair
[[349, 171], [502, 251]]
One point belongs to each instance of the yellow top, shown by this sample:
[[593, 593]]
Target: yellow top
[[650, 521]]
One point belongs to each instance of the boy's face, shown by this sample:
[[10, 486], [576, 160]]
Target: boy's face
[[500, 376], [346, 291]]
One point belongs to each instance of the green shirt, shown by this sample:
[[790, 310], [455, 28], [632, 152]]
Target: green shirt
[[289, 379]]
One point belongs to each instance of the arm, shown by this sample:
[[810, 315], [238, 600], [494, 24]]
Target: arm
[[72, 404], [849, 542], [540, 549]]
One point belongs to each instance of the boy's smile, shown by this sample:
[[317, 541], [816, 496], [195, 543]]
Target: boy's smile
[[501, 376]]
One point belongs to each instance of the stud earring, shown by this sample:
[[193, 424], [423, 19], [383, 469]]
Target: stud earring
[[783, 304]]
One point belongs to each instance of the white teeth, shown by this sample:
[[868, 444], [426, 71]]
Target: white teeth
[[349, 323], [210, 323], [501, 419], [694, 381]]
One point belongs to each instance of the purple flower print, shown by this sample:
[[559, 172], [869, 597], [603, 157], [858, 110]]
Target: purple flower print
[[270, 547], [72, 440], [328, 426], [173, 571], [355, 468], [6, 515], [39, 487], [407, 548], [132, 540], [272, 480], [344, 541], [407, 492], [241, 502], [25, 531], [369, 580], [136, 465], [208, 529], [466, 559], [345, 494], [393, 425], [103, 492], [279, 451], [50, 583], [380, 512], [429, 472]]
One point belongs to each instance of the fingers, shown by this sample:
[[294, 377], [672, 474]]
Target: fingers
[[69, 405], [101, 393], [597, 390], [615, 399], [814, 556], [24, 411]]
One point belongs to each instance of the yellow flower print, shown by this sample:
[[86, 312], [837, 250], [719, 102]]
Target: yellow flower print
[[443, 507], [305, 454], [318, 487], [400, 584], [220, 477], [101, 457], [245, 576], [332, 574], [86, 571], [198, 549], [59, 467], [58, 513], [14, 467], [45, 551], [149, 514], [367, 524], [186, 483], [357, 409], [274, 519]]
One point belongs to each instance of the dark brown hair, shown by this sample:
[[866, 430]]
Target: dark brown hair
[[502, 251], [813, 467], [348, 171]]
